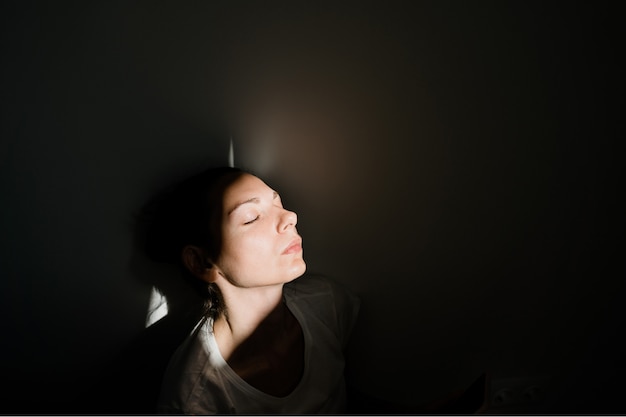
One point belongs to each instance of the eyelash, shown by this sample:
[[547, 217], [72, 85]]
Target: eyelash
[[253, 220]]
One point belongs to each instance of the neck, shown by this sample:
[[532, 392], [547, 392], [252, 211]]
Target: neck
[[249, 311]]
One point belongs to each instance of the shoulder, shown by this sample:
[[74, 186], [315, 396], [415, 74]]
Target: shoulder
[[325, 299], [191, 369], [192, 356]]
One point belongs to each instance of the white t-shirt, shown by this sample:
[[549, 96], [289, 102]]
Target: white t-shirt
[[199, 381]]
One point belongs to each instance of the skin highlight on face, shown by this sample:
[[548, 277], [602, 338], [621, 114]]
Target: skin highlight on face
[[260, 242]]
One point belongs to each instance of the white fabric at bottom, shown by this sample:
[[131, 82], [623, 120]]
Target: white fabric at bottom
[[199, 381]]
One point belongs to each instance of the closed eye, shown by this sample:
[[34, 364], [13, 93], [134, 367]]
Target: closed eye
[[253, 220]]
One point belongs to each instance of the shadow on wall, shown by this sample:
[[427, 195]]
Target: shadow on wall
[[131, 380]]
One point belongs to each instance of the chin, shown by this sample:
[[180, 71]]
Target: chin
[[298, 272]]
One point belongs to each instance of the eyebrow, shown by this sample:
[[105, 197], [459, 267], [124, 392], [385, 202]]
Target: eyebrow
[[255, 200]]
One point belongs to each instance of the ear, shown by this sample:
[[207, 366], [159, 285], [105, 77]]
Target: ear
[[197, 262]]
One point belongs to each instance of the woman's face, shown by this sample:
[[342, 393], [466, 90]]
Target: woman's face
[[260, 244]]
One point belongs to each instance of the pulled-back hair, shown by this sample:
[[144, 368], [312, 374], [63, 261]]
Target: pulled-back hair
[[189, 213]]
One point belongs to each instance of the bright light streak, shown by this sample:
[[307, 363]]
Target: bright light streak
[[231, 154], [157, 307]]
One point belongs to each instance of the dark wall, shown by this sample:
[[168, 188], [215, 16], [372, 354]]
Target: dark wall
[[457, 164]]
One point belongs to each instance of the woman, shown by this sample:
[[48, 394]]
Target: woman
[[272, 339]]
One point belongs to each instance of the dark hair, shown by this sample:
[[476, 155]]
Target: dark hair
[[189, 213]]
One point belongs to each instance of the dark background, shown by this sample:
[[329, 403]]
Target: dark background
[[458, 164]]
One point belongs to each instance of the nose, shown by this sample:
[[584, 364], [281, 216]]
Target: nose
[[288, 220]]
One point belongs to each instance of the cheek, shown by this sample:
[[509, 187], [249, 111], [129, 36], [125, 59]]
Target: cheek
[[251, 250]]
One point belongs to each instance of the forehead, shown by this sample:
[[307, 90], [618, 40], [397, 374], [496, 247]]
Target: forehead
[[245, 187]]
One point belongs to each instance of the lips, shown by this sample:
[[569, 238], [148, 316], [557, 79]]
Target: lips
[[294, 247]]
